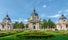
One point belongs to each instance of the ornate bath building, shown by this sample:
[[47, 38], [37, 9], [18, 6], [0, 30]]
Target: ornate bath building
[[34, 21], [62, 23], [6, 24]]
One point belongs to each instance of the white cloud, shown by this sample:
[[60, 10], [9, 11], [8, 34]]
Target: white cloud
[[42, 15], [50, 0], [44, 6], [16, 20], [60, 11], [65, 12], [25, 20], [20, 20], [55, 16]]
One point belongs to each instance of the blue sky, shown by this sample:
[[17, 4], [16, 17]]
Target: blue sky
[[20, 10]]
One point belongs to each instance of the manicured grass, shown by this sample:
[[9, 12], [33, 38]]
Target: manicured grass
[[37, 35]]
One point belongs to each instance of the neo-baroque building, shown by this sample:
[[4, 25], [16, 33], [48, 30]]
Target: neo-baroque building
[[62, 23], [6, 24], [34, 21]]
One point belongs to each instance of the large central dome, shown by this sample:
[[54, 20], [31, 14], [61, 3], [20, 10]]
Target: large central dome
[[34, 13]]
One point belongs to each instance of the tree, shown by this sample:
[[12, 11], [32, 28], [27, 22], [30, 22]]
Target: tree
[[50, 24], [18, 25], [15, 25], [21, 25], [44, 24]]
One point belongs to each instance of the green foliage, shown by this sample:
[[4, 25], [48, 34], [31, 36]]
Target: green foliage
[[50, 24], [47, 24], [8, 33], [15, 25], [44, 23], [58, 35], [21, 25], [18, 25], [35, 34]]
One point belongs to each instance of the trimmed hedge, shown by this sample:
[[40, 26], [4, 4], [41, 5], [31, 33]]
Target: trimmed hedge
[[3, 34], [34, 34]]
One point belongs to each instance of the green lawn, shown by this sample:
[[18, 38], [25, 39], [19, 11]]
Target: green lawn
[[36, 35]]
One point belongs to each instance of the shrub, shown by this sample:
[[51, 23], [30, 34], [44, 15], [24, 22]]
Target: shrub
[[35, 34], [3, 34]]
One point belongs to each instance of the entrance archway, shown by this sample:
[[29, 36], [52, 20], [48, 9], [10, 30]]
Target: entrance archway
[[34, 27]]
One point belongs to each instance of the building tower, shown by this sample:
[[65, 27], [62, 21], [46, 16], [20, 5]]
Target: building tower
[[6, 24], [34, 21], [62, 23]]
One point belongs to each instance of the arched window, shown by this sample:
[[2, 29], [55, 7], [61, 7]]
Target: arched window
[[66, 25], [34, 27], [2, 26]]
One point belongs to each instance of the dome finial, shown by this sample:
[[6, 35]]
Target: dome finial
[[34, 10], [62, 16], [7, 14]]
